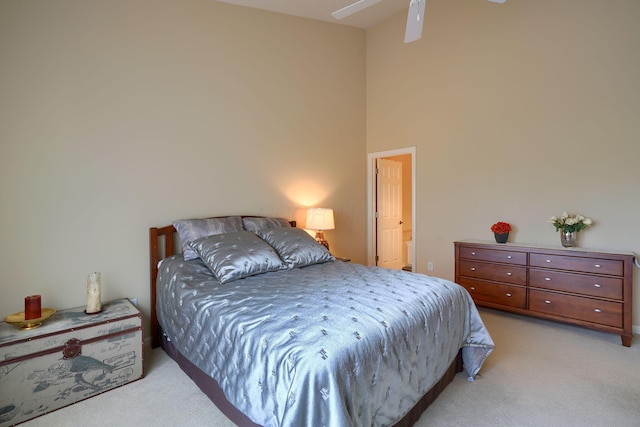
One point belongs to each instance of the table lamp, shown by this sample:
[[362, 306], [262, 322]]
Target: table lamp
[[320, 219]]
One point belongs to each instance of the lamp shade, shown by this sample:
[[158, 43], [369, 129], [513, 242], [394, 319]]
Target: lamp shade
[[320, 219]]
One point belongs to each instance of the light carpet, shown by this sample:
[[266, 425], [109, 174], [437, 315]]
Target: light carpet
[[540, 374]]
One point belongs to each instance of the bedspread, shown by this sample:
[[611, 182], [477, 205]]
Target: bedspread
[[333, 344]]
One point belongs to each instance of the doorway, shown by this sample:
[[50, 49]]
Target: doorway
[[388, 244]]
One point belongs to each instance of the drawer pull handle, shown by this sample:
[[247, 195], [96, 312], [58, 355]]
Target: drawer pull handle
[[472, 288], [597, 310], [598, 265], [472, 269], [473, 253], [548, 279], [509, 295], [597, 285], [509, 274], [509, 257], [547, 260], [547, 301]]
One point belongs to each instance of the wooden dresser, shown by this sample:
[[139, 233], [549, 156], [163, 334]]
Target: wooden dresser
[[570, 285]]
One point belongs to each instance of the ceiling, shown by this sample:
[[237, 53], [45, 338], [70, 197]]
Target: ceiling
[[321, 9]]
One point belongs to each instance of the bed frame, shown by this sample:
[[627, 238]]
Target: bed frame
[[163, 243]]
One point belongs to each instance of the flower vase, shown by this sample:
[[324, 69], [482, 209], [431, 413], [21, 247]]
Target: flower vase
[[568, 238], [501, 237]]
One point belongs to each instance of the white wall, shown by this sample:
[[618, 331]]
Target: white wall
[[116, 116], [519, 111]]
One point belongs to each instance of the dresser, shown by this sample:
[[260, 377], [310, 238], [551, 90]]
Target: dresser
[[570, 285]]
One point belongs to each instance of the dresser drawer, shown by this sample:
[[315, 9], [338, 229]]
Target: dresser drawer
[[587, 265], [582, 308], [512, 296], [507, 257], [500, 273], [585, 284]]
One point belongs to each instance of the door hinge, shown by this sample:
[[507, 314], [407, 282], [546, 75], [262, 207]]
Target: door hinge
[[377, 215]]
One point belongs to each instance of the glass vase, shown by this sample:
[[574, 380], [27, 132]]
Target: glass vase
[[568, 238]]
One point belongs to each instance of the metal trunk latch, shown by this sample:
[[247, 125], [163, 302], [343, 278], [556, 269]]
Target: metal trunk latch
[[72, 348]]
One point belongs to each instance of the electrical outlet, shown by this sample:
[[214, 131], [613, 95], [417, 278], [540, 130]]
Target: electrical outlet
[[430, 266], [134, 301]]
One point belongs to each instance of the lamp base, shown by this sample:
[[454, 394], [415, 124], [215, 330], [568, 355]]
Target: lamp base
[[320, 239]]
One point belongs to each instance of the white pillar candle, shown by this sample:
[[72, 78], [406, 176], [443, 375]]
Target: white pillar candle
[[94, 302]]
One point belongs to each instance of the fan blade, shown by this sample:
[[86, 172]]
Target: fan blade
[[414, 21], [353, 8]]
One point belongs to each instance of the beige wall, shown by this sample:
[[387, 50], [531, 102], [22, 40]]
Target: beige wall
[[518, 111], [116, 116]]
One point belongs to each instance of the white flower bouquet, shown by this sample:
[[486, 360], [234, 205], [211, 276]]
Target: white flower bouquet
[[570, 222]]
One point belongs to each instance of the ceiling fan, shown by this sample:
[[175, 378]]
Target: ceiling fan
[[414, 19]]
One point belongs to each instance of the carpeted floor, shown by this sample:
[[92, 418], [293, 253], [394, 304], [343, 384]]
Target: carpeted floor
[[541, 374]]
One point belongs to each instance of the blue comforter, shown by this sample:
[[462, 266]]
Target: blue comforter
[[334, 344]]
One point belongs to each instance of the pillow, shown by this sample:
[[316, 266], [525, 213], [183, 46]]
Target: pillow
[[295, 246], [232, 256], [193, 229], [255, 223]]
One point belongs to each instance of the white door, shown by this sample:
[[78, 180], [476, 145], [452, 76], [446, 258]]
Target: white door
[[389, 213]]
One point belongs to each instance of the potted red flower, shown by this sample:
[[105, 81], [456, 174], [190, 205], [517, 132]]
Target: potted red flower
[[501, 231]]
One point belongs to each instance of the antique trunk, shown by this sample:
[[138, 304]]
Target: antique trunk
[[72, 356]]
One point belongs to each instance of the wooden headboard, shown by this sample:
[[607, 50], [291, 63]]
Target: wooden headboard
[[162, 244]]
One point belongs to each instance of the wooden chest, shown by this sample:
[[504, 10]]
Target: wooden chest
[[577, 286], [71, 357]]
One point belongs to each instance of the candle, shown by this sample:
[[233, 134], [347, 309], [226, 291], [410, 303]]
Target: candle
[[94, 303], [32, 307]]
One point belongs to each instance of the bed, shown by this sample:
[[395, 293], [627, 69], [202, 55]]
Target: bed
[[277, 332]]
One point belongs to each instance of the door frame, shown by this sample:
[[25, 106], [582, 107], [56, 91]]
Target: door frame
[[371, 201]]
